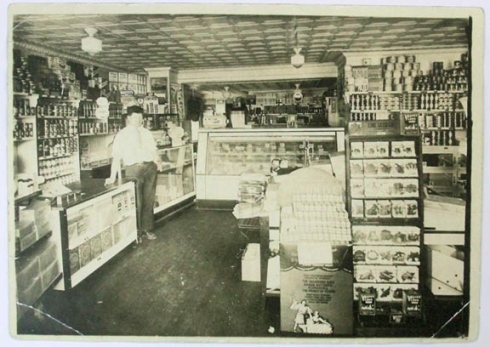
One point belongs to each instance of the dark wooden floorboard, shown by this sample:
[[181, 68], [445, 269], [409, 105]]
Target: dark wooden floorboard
[[185, 283]]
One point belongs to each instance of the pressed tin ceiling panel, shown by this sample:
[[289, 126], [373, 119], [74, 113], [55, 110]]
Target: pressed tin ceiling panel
[[224, 41]]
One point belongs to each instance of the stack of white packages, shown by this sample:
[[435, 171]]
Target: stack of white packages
[[316, 214]]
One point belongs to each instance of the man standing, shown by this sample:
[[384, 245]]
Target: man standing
[[135, 146]]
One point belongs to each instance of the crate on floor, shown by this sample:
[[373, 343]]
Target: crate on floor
[[251, 263]]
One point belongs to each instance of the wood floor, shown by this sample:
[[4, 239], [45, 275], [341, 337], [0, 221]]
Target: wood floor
[[185, 283]]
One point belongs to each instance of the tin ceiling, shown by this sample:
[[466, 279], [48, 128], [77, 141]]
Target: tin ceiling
[[212, 41]]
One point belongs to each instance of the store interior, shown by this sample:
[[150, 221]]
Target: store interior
[[306, 157]]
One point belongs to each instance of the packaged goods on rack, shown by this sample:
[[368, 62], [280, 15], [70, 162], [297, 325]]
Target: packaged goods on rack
[[251, 193]]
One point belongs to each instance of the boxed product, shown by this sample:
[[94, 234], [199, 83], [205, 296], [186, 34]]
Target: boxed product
[[370, 149], [397, 149], [385, 168], [412, 255], [386, 274], [363, 288], [357, 150], [367, 302], [106, 239], [74, 260], [400, 288], [372, 255], [359, 255], [364, 273], [371, 209], [407, 274], [357, 187], [122, 77], [411, 187], [359, 234], [357, 209], [412, 303], [84, 252], [398, 209], [113, 76], [370, 168], [384, 208], [356, 168], [386, 234], [384, 292], [373, 187], [95, 246], [412, 208], [385, 255], [382, 148], [399, 255]]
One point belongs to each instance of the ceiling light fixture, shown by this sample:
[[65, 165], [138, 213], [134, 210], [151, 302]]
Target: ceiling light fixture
[[297, 60], [90, 44], [226, 93]]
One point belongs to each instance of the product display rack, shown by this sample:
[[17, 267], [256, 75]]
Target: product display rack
[[385, 204], [91, 232]]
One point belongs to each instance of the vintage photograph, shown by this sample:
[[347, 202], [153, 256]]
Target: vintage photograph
[[262, 173]]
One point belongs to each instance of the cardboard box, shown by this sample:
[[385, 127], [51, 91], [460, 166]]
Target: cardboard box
[[445, 264], [439, 288], [251, 263]]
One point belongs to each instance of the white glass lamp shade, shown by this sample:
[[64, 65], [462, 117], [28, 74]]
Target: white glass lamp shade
[[90, 44], [297, 60]]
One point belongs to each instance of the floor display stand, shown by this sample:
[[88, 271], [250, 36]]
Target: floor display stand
[[384, 183]]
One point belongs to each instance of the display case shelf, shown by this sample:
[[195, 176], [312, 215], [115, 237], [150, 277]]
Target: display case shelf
[[176, 180]]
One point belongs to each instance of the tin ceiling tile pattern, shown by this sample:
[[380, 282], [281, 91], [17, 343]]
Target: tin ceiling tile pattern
[[221, 41]]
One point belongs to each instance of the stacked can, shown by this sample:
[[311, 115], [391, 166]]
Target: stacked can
[[399, 72]]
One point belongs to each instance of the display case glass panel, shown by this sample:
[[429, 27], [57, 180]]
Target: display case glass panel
[[233, 155], [176, 180]]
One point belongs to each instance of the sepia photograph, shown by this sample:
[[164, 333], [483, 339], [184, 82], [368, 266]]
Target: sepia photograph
[[244, 172]]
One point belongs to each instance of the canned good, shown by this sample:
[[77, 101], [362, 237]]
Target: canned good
[[408, 80], [406, 73], [416, 66], [457, 64], [388, 81], [388, 88], [390, 67], [408, 66], [401, 59], [399, 66], [399, 87], [410, 59], [391, 59], [407, 87], [388, 74], [413, 73], [397, 74], [397, 81]]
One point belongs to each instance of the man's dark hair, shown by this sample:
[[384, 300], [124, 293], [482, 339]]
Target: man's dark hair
[[134, 109]]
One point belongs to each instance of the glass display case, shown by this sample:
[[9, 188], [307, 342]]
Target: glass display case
[[94, 229], [225, 154], [175, 183]]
